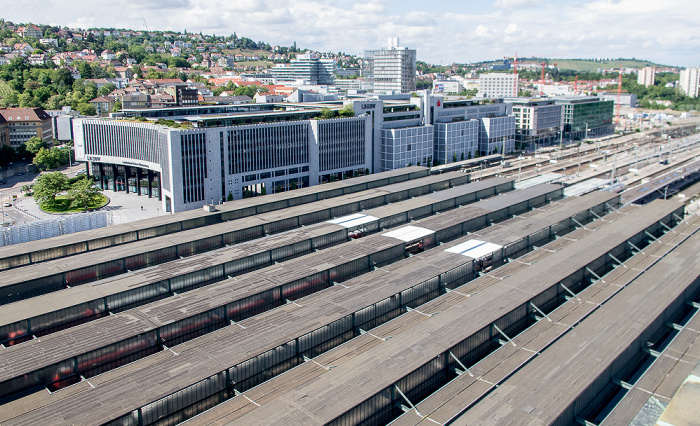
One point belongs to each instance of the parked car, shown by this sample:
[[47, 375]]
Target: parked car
[[20, 174], [2, 182], [7, 204], [80, 172]]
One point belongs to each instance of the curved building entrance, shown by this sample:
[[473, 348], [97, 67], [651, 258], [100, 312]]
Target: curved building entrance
[[130, 179]]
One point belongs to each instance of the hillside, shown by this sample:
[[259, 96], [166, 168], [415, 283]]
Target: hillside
[[594, 66]]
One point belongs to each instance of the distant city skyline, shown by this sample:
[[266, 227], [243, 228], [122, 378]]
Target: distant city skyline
[[452, 31]]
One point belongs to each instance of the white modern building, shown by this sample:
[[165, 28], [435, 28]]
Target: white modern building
[[186, 168], [689, 81], [627, 100], [537, 121], [447, 86], [309, 68], [646, 76], [468, 127], [554, 89], [236, 151], [498, 85], [391, 70]]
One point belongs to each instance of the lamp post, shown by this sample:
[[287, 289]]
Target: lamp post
[[520, 165]]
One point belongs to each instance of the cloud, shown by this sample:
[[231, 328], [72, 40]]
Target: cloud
[[658, 31], [517, 4]]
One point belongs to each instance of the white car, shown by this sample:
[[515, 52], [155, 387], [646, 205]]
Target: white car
[[80, 172]]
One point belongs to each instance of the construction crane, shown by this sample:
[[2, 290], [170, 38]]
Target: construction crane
[[144, 23], [544, 65], [576, 84]]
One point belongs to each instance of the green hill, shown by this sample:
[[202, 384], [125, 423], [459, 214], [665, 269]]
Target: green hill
[[593, 66]]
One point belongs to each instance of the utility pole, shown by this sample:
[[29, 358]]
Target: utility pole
[[561, 135], [520, 165]]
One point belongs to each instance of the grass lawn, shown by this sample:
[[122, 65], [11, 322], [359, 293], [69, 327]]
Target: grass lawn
[[63, 205]]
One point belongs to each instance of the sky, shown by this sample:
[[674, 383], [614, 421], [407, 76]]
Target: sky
[[443, 32]]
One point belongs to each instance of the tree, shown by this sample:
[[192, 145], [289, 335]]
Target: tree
[[47, 159], [34, 144], [229, 197], [84, 192], [107, 89], [327, 113], [86, 109], [117, 106], [347, 111], [48, 186]]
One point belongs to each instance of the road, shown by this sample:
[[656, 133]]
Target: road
[[13, 188]]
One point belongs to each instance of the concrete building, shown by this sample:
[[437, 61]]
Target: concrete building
[[391, 70], [556, 89], [250, 149], [690, 81], [186, 168], [447, 86], [628, 100], [24, 123], [308, 69], [4, 132], [498, 85], [584, 116], [646, 76], [537, 121], [103, 105]]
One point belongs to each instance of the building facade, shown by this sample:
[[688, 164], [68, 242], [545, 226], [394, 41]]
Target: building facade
[[584, 116], [628, 100], [186, 168], [498, 85], [222, 152], [24, 123], [689, 81], [391, 70], [646, 76], [494, 119], [537, 121], [309, 68]]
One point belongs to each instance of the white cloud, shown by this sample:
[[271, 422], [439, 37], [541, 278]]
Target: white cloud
[[664, 32]]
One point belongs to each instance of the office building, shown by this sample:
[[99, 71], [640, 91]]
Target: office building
[[491, 119], [391, 70], [646, 76], [689, 81], [24, 123], [537, 121], [498, 85], [309, 69], [627, 100], [237, 151], [186, 168], [584, 116], [447, 86]]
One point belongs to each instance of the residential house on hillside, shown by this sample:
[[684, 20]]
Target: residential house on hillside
[[23, 49], [37, 59], [108, 55], [47, 41], [103, 105], [30, 30]]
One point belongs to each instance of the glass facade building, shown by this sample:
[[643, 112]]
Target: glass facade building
[[586, 116]]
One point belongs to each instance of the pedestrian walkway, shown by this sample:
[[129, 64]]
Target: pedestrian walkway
[[124, 207]]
